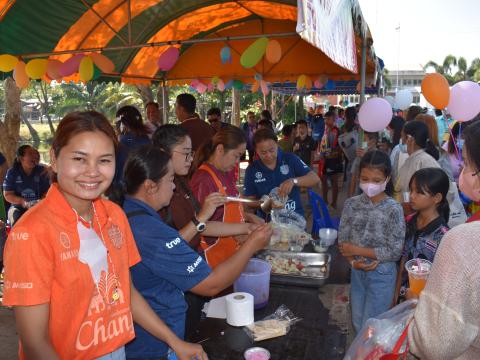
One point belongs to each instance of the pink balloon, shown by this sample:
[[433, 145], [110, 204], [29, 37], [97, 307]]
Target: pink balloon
[[220, 85], [201, 88], [70, 66], [264, 87], [194, 83], [317, 84], [464, 102], [210, 87], [168, 59], [375, 114]]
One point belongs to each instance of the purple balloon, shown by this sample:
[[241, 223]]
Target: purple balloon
[[464, 102], [70, 66], [375, 114]]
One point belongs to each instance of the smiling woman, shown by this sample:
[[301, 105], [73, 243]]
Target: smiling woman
[[69, 257]]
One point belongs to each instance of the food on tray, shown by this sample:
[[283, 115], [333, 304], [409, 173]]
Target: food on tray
[[284, 235], [291, 266]]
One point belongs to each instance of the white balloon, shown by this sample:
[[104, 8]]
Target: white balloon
[[375, 114], [403, 99], [390, 100]]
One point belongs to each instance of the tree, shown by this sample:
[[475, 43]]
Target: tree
[[463, 71], [41, 89], [10, 126]]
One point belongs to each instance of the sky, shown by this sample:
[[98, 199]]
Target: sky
[[429, 30]]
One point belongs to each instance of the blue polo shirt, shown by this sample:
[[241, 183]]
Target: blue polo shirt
[[260, 180], [169, 267], [29, 187], [318, 127]]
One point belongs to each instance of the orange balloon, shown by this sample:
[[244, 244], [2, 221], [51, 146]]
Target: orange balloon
[[20, 75], [436, 90], [102, 62], [273, 53]]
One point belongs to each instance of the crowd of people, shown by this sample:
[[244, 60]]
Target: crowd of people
[[132, 227]]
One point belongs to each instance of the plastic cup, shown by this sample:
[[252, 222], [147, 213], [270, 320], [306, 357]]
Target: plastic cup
[[418, 271], [406, 196]]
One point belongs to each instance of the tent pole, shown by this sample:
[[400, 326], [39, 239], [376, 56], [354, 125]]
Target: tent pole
[[165, 103], [160, 43], [363, 69], [129, 9]]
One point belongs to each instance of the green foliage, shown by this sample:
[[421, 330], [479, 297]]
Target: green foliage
[[456, 69]]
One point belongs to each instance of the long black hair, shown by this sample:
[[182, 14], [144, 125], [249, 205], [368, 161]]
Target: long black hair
[[396, 124], [147, 162], [419, 132], [433, 181], [376, 159], [471, 136], [169, 135], [131, 117], [22, 149]]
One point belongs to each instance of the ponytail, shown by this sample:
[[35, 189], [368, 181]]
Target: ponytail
[[202, 155], [419, 132], [443, 209], [231, 137], [431, 149]]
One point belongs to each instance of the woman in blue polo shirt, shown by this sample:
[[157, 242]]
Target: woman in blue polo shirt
[[169, 266], [277, 169], [26, 182]]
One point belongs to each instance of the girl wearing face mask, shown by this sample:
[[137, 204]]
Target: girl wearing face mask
[[422, 154], [371, 237], [446, 320], [427, 226]]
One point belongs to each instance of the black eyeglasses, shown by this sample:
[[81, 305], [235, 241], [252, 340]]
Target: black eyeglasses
[[188, 155]]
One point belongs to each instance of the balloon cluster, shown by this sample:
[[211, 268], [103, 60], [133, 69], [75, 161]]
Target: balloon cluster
[[271, 49], [88, 66], [462, 100]]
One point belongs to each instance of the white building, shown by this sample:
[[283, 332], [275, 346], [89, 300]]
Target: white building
[[407, 79]]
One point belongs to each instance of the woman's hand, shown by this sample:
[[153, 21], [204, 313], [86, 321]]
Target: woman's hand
[[211, 203], [285, 188], [363, 265], [188, 351], [261, 237], [348, 249], [360, 152]]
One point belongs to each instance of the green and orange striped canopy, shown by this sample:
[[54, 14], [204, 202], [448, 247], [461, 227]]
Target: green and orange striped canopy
[[58, 28]]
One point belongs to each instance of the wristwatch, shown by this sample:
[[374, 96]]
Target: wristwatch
[[201, 226], [295, 181]]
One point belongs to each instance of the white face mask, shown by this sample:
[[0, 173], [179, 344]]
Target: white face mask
[[92, 251], [372, 189]]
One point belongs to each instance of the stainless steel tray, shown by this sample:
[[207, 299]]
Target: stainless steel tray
[[314, 274]]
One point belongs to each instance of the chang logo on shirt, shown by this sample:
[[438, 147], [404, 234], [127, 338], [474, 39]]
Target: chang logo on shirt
[[173, 243], [284, 169], [19, 180], [191, 268], [259, 177], [291, 205]]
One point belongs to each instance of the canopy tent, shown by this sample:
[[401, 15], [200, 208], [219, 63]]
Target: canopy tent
[[134, 34]]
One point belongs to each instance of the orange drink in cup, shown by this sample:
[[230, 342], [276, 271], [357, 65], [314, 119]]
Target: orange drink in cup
[[418, 271]]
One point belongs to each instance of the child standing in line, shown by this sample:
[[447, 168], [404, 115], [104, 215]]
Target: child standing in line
[[426, 227], [371, 237]]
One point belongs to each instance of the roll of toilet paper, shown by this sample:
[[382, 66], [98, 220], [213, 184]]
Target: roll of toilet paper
[[239, 309]]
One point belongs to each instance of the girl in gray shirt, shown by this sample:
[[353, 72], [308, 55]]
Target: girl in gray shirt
[[371, 237]]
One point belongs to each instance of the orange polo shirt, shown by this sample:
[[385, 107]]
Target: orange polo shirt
[[42, 266]]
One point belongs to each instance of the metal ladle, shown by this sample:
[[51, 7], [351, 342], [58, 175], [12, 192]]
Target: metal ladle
[[265, 202]]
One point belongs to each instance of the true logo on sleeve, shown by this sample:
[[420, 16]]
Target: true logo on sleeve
[[115, 236]]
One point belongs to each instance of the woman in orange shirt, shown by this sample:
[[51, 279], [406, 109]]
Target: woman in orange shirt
[[67, 259]]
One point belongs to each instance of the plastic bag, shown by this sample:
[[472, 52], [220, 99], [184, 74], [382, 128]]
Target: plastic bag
[[288, 230], [384, 335], [277, 324]]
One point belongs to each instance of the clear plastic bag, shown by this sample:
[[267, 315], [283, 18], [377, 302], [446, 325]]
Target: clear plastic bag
[[277, 324], [384, 335], [288, 230]]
